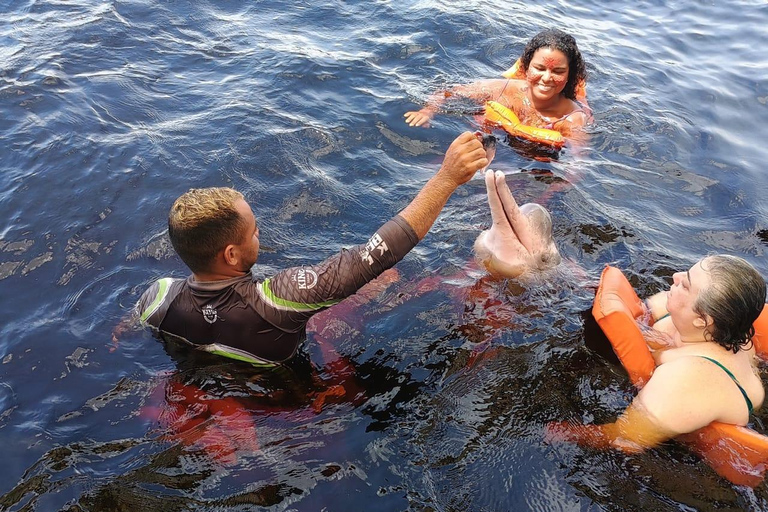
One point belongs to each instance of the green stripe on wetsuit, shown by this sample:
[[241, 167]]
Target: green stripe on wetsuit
[[276, 301], [162, 290]]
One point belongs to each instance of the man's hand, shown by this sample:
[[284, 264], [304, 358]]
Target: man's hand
[[465, 156], [129, 322]]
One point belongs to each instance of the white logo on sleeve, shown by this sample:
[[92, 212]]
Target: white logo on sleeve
[[305, 278], [210, 314], [376, 242]]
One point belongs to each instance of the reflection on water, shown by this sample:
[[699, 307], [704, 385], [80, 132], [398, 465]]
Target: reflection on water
[[443, 379]]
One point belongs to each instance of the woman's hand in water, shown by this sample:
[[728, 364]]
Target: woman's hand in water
[[419, 118]]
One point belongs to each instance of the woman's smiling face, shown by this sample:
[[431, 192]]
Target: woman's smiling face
[[547, 73]]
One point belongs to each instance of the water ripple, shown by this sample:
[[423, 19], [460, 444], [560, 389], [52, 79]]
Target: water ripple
[[111, 110]]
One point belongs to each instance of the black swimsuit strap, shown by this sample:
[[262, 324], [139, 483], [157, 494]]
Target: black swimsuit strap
[[735, 380]]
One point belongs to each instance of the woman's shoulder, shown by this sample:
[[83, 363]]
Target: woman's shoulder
[[707, 364], [687, 354], [685, 394], [696, 368], [573, 113], [680, 365]]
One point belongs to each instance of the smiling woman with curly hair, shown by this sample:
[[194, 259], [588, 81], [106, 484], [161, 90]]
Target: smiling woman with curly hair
[[543, 93]]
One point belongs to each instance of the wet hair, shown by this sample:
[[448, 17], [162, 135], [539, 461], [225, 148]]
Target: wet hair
[[734, 299], [202, 222], [559, 40]]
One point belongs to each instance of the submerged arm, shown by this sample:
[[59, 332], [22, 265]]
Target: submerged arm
[[673, 402], [480, 92], [573, 129], [633, 432]]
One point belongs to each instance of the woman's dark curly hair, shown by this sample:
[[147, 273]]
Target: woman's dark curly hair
[[559, 40], [734, 299]]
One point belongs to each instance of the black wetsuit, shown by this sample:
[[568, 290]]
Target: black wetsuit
[[263, 322]]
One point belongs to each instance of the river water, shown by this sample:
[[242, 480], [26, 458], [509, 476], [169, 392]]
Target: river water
[[434, 394]]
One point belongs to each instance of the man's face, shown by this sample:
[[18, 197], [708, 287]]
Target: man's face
[[249, 246]]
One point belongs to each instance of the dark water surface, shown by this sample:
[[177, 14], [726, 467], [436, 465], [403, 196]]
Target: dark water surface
[[438, 391]]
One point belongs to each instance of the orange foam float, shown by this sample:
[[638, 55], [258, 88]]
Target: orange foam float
[[505, 118], [736, 453]]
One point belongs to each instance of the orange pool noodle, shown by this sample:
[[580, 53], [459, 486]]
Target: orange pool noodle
[[505, 118], [736, 453]]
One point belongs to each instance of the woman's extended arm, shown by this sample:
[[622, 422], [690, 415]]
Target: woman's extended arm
[[480, 92], [633, 432]]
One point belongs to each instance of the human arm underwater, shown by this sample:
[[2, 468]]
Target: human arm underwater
[[480, 92], [675, 401]]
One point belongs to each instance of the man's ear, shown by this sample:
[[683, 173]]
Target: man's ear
[[231, 255]]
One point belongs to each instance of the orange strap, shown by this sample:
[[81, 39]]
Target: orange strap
[[737, 453]]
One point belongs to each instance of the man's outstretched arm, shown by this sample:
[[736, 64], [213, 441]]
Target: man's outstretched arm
[[293, 295], [464, 158]]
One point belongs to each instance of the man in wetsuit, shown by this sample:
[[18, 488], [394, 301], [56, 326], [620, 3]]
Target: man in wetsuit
[[221, 309]]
